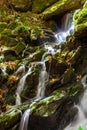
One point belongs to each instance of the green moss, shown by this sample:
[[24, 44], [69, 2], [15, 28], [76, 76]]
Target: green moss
[[54, 8], [3, 25], [5, 120], [81, 27], [47, 106], [10, 99], [74, 89], [81, 22], [81, 15], [39, 5], [19, 48], [60, 7]]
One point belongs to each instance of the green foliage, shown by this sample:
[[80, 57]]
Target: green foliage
[[80, 128], [1, 58], [16, 28]]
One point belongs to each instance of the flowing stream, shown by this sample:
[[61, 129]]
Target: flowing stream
[[43, 76], [21, 85], [66, 29], [80, 123]]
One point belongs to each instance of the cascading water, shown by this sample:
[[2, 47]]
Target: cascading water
[[4, 67], [81, 120], [21, 69], [21, 86], [66, 29], [25, 117], [43, 78]]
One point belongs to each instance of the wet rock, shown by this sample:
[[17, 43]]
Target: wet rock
[[34, 55], [55, 113], [52, 111], [53, 25], [3, 76], [73, 56], [12, 53], [30, 88], [80, 65], [56, 67], [68, 76]]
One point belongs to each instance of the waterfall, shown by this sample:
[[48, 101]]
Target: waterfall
[[25, 117], [20, 86], [3, 70], [81, 121], [65, 21], [21, 69], [67, 29], [43, 78]]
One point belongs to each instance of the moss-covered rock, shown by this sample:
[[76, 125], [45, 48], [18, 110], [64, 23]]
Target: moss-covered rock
[[53, 110], [80, 20], [50, 110], [30, 88], [68, 76], [39, 5], [23, 28], [56, 65], [61, 7]]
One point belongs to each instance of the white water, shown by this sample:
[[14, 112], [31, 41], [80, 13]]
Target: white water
[[21, 69], [4, 67], [61, 36], [25, 117], [4, 70], [81, 120], [66, 29], [21, 85], [43, 78]]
